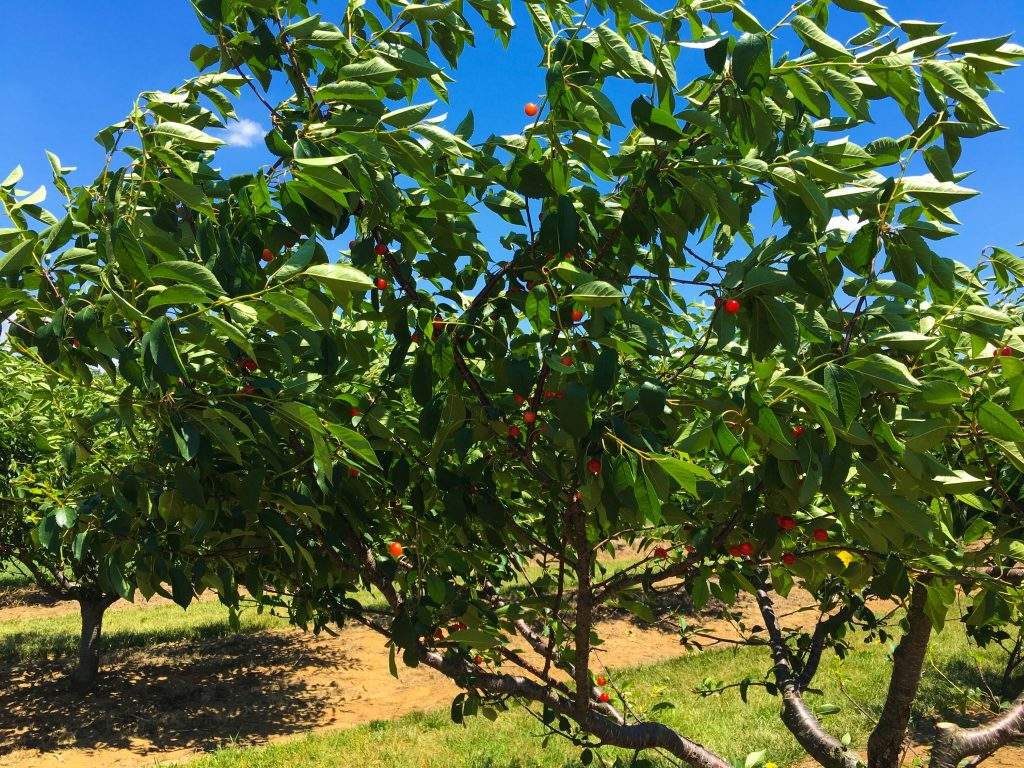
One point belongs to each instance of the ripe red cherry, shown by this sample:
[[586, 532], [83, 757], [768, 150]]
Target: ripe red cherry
[[353, 472], [458, 626], [820, 534], [746, 549], [690, 549], [602, 680], [514, 433], [531, 109], [577, 315], [268, 255], [787, 523], [76, 343], [567, 361], [789, 559], [604, 698], [438, 324], [731, 306], [354, 411], [478, 660], [518, 398], [395, 549], [734, 551], [247, 364], [797, 432], [529, 417], [248, 389], [417, 337], [659, 552], [380, 249], [1006, 351], [594, 466], [381, 283], [577, 497]]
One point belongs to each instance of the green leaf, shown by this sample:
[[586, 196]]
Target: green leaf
[[573, 410], [946, 77], [187, 135], [596, 294], [348, 91], [340, 276], [885, 373], [293, 307], [189, 273], [354, 442], [811, 392], [751, 61], [817, 40], [190, 195], [407, 116], [999, 423]]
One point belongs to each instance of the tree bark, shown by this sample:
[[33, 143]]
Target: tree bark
[[825, 748], [92, 609], [885, 745], [953, 744]]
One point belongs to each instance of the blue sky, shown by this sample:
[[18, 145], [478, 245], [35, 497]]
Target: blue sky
[[70, 69]]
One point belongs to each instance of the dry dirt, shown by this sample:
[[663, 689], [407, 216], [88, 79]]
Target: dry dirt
[[177, 700]]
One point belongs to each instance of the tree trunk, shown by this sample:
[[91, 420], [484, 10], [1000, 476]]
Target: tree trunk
[[885, 745], [92, 608], [953, 744]]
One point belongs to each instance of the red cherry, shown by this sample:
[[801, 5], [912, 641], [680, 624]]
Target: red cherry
[[380, 249], [789, 559], [478, 660], [659, 552], [690, 549], [381, 283], [797, 432], [353, 472], [247, 364], [594, 466], [577, 315], [567, 361], [820, 534], [734, 551], [417, 337], [514, 433], [1006, 352], [248, 389], [354, 411], [531, 109], [395, 549], [787, 523], [732, 306], [549, 394], [458, 626], [577, 497], [268, 255], [746, 549], [438, 324], [602, 680], [76, 343], [351, 244], [529, 417], [604, 698], [559, 395], [518, 398], [439, 634]]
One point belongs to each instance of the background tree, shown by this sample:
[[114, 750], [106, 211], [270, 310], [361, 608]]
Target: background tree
[[424, 414]]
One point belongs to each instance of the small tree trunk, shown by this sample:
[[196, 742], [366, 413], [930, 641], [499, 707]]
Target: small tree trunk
[[92, 609], [885, 745]]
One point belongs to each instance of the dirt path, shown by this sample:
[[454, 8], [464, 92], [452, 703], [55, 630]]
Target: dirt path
[[178, 700]]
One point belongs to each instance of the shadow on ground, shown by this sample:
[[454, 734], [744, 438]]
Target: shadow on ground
[[200, 696]]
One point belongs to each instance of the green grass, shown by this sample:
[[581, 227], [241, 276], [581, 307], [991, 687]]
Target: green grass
[[125, 628], [12, 576], [723, 722]]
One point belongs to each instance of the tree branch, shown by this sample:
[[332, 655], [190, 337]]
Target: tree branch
[[953, 744]]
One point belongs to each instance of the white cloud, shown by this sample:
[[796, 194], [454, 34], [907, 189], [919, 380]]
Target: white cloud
[[243, 133], [848, 225]]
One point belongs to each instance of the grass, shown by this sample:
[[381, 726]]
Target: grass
[[124, 628], [12, 576], [722, 722]]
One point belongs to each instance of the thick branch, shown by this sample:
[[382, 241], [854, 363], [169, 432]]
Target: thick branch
[[821, 632], [796, 715], [885, 745], [953, 744]]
